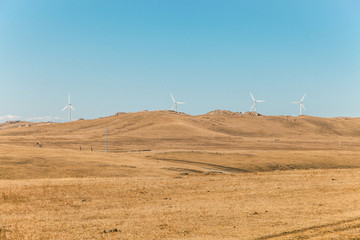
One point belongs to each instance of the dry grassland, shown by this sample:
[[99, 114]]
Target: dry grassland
[[316, 204], [215, 176]]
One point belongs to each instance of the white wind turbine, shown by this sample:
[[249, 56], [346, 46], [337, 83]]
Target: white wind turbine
[[70, 107], [174, 107], [302, 106], [254, 102]]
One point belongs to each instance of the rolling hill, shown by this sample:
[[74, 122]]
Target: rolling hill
[[168, 175], [170, 130]]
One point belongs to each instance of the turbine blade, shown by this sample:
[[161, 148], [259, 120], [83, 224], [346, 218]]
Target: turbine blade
[[72, 107], [303, 97], [173, 98], [252, 97], [180, 103], [252, 106], [69, 99], [65, 107], [260, 101], [303, 106], [295, 102]]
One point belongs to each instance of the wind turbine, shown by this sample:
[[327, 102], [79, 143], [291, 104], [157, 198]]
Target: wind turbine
[[254, 102], [70, 107], [175, 103], [302, 106]]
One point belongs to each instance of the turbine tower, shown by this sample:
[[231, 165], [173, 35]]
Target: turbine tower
[[254, 103], [302, 106], [70, 107], [174, 107]]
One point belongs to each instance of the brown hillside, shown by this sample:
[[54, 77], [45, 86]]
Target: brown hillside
[[171, 130], [168, 175]]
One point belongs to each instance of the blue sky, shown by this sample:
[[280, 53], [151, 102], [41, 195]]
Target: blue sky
[[128, 56]]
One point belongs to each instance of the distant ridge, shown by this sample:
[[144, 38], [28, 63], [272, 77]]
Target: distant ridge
[[20, 124], [225, 113], [170, 129]]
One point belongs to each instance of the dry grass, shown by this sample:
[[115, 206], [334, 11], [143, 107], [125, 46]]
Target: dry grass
[[321, 204], [161, 130], [206, 177], [260, 161]]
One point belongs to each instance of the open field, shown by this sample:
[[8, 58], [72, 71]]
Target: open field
[[173, 176], [315, 204]]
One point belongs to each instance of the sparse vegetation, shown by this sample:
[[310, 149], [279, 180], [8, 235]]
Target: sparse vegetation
[[189, 186]]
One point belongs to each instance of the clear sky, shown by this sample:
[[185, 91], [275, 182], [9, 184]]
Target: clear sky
[[129, 55]]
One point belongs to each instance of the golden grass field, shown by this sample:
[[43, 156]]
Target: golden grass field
[[168, 175]]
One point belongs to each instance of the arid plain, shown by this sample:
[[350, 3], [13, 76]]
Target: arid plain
[[168, 175]]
